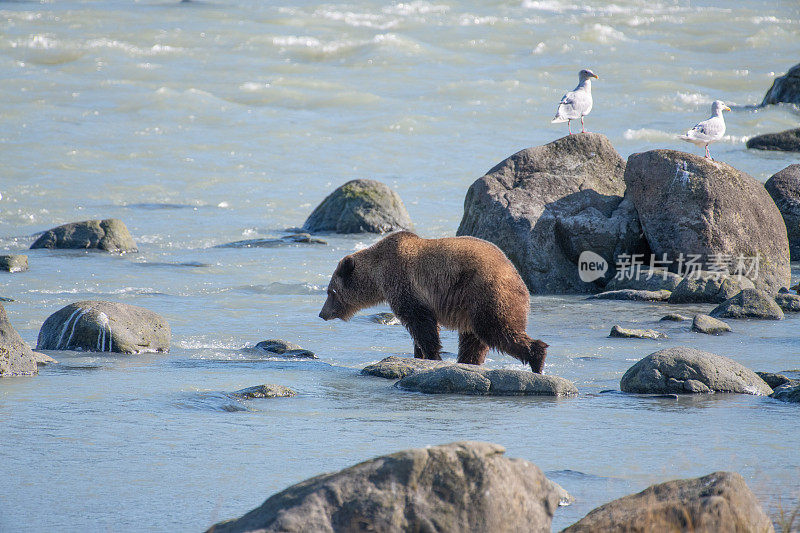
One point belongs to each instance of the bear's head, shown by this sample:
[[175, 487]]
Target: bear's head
[[351, 289]]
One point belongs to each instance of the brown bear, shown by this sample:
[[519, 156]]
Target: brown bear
[[461, 283]]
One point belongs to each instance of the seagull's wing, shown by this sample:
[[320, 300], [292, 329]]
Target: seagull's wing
[[572, 106], [707, 131]]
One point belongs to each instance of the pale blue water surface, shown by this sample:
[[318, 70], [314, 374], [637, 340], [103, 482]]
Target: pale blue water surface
[[202, 123]]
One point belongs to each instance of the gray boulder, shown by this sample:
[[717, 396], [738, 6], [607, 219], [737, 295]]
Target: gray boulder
[[694, 208], [782, 141], [709, 325], [674, 317], [721, 501], [789, 303], [784, 188], [464, 486], [285, 349], [644, 279], [681, 370], [625, 333], [110, 235], [633, 295], [394, 367], [102, 326], [264, 391], [471, 379], [359, 206], [16, 357], [787, 393], [14, 263], [708, 287], [750, 303], [785, 89], [777, 380], [546, 205]]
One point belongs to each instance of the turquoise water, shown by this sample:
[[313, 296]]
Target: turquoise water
[[203, 123]]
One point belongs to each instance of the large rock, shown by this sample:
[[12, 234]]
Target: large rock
[[783, 141], [709, 325], [464, 486], [784, 187], [14, 263], [394, 367], [546, 205], [359, 206], [471, 379], [627, 333], [718, 502], [708, 287], [685, 370], [110, 235], [695, 209], [104, 327], [16, 357], [785, 89], [750, 303]]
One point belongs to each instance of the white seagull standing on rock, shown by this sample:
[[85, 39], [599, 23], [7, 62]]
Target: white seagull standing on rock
[[709, 130], [578, 102]]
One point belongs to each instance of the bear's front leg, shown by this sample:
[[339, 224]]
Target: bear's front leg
[[421, 324]]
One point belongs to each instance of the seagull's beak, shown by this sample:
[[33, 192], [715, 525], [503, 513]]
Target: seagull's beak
[[726, 108], [595, 76]]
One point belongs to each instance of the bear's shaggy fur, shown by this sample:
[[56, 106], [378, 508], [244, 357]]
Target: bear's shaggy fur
[[461, 283]]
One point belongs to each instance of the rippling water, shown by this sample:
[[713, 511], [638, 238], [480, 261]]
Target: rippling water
[[201, 123]]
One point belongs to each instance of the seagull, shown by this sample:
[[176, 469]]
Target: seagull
[[709, 130], [578, 102]]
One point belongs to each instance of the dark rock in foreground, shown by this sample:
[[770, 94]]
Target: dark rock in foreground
[[784, 188], [110, 235], [394, 367], [709, 325], [464, 486], [296, 238], [783, 141], [693, 208], [285, 349], [708, 287], [472, 379], [101, 326], [14, 263], [750, 303], [16, 357], [718, 502], [264, 391], [785, 89], [546, 205], [633, 295], [789, 303], [682, 370], [625, 333], [359, 206]]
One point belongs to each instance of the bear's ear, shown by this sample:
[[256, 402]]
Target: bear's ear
[[346, 270]]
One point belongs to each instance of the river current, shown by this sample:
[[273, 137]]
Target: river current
[[200, 123]]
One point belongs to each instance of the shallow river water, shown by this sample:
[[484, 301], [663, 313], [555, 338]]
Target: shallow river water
[[201, 123]]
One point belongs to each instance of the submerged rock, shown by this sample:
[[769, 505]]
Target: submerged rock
[[359, 206], [782, 141], [546, 205], [718, 502], [264, 391], [394, 367], [110, 235], [624, 333], [789, 303], [101, 326], [16, 357], [787, 393], [632, 295], [776, 380], [709, 325], [472, 379], [296, 238], [682, 370], [464, 486], [43, 359], [387, 319], [749, 303], [708, 287], [695, 209], [14, 263], [785, 89], [645, 279], [784, 188], [285, 349], [674, 317]]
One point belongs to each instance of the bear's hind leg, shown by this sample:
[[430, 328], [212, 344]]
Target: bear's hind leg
[[471, 350], [519, 345]]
